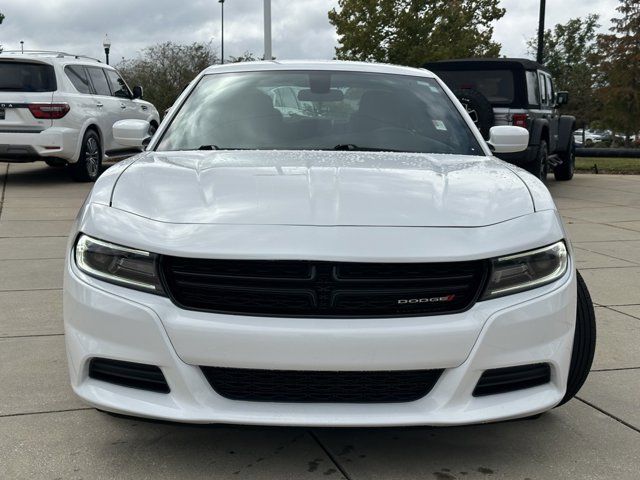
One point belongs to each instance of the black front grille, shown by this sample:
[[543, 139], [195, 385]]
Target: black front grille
[[128, 374], [502, 380], [321, 387], [322, 289]]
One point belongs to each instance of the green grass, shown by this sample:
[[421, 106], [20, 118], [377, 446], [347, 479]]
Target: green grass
[[628, 166]]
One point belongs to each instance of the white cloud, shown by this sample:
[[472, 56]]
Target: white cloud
[[301, 28]]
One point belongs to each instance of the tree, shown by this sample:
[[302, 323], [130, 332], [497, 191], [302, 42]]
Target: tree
[[164, 70], [619, 64], [412, 32], [569, 54], [245, 57]]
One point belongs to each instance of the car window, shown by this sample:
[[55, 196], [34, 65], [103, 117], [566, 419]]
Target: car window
[[550, 92], [26, 77], [99, 81], [533, 89], [78, 76], [496, 85], [118, 85], [543, 89], [319, 110]]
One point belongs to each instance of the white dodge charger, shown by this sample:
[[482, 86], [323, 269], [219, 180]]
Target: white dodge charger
[[328, 244]]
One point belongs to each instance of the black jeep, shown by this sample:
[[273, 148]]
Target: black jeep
[[514, 91]]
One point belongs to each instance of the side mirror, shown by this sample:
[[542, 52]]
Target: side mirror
[[508, 139], [562, 98], [138, 92], [132, 133]]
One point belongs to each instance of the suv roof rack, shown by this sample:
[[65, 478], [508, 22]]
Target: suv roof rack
[[51, 53]]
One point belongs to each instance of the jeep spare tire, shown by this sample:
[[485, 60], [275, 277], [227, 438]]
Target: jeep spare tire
[[478, 108]]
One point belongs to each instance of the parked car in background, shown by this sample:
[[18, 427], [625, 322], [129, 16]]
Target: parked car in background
[[513, 91], [60, 108], [365, 261], [587, 138]]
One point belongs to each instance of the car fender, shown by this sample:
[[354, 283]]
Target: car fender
[[537, 126], [566, 126]]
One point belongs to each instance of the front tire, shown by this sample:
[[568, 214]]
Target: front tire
[[584, 342], [87, 168], [566, 169]]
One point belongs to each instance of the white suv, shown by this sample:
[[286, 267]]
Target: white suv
[[61, 108]]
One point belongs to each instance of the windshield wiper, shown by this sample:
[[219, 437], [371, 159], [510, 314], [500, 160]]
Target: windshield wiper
[[351, 147]]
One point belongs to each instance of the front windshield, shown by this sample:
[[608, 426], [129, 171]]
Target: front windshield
[[319, 110]]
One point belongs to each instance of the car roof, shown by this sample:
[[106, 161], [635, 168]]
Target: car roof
[[329, 65], [466, 63], [52, 58]]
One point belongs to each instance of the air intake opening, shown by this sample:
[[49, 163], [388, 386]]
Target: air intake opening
[[502, 380], [128, 374], [294, 386]]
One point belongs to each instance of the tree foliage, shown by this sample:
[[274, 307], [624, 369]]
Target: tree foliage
[[619, 67], [569, 54], [412, 32], [164, 70]]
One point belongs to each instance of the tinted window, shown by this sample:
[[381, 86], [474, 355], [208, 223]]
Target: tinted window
[[325, 111], [118, 86], [26, 77], [78, 77], [496, 85], [543, 89], [533, 89], [99, 81], [549, 90]]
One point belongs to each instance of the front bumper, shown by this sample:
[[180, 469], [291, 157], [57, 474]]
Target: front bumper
[[103, 320], [56, 142]]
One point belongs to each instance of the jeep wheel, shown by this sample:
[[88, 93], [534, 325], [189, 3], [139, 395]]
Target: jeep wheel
[[565, 170], [584, 342], [478, 108], [87, 168], [539, 166]]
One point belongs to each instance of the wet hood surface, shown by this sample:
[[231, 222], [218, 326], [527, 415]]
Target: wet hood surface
[[321, 188]]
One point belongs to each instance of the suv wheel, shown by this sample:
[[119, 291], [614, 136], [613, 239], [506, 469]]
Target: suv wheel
[[87, 168], [566, 169], [584, 342], [539, 166], [478, 108]]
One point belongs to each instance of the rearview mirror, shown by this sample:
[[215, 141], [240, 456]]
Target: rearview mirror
[[508, 139], [562, 98], [138, 92], [333, 95], [132, 133]]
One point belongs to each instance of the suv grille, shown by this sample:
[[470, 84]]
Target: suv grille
[[322, 289], [321, 387]]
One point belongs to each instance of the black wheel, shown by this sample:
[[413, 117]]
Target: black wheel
[[478, 108], [539, 167], [55, 162], [87, 168], [566, 169], [584, 342]]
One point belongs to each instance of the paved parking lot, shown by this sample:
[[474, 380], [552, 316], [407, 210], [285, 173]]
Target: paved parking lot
[[46, 433]]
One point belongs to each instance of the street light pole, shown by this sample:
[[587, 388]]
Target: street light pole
[[107, 47], [221, 2], [268, 55], [540, 56]]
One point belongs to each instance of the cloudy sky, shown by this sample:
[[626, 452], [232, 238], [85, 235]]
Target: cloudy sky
[[300, 28]]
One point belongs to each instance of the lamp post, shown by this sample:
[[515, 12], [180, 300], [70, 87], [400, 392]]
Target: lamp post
[[107, 47], [21, 46], [221, 2], [267, 30], [540, 56]]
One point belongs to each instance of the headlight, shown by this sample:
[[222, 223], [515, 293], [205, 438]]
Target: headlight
[[527, 270], [120, 265]]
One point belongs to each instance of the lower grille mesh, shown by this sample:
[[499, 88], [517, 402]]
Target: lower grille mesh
[[321, 387], [128, 374], [502, 380]]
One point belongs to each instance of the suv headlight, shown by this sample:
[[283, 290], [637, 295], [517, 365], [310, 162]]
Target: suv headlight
[[116, 264], [524, 271]]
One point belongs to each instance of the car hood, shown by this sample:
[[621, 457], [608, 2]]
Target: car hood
[[321, 188]]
